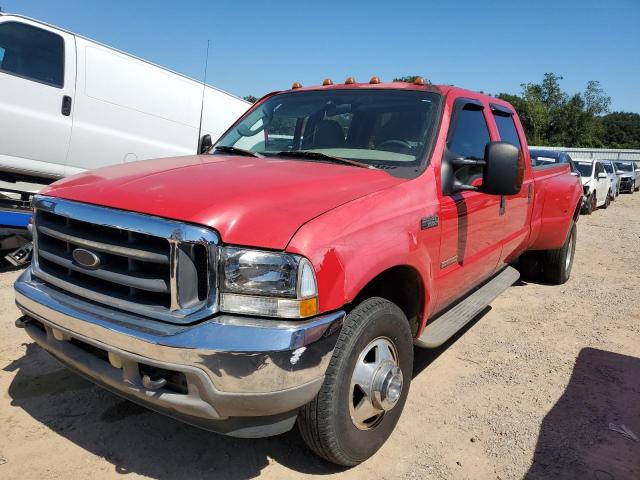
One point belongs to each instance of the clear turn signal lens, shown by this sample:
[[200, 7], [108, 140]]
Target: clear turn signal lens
[[268, 306]]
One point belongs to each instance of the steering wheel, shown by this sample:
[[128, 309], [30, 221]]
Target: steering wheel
[[395, 143]]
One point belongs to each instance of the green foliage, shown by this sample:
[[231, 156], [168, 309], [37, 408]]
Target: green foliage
[[409, 79], [250, 98], [621, 130], [550, 116]]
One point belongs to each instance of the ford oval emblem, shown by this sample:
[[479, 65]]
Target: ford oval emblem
[[86, 258]]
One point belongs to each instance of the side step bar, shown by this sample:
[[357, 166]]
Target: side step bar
[[440, 329]]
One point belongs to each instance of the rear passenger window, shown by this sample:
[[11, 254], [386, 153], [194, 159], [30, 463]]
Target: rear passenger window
[[32, 53], [507, 129]]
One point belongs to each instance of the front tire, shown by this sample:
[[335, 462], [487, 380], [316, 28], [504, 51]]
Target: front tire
[[589, 206], [365, 387], [607, 200], [558, 263]]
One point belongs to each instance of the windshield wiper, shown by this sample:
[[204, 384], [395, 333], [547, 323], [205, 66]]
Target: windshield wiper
[[238, 151], [322, 156]]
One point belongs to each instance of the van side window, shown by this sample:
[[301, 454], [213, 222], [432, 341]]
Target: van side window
[[32, 53], [468, 137], [507, 129]]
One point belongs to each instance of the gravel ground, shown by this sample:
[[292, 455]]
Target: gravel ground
[[528, 390]]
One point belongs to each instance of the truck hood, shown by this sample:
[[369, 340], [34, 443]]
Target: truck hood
[[249, 201]]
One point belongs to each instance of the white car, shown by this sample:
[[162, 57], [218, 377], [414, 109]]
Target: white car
[[596, 184], [68, 104], [610, 168]]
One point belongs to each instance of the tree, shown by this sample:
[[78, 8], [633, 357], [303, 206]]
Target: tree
[[409, 79], [621, 130], [250, 98], [552, 117], [596, 100]]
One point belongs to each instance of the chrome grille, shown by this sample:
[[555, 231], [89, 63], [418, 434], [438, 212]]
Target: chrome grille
[[147, 265]]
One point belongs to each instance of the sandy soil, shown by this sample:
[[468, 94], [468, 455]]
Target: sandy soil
[[527, 391]]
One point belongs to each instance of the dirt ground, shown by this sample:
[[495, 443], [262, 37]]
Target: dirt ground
[[528, 390]]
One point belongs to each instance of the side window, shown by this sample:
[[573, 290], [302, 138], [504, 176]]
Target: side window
[[469, 134], [32, 53], [507, 128], [468, 137]]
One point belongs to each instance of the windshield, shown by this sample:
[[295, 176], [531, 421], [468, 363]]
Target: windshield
[[608, 168], [585, 168], [383, 128], [624, 166]]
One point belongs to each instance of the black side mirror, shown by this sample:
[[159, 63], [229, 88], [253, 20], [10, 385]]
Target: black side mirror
[[503, 170], [205, 144]]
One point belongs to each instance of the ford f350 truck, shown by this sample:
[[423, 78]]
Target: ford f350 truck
[[287, 275]]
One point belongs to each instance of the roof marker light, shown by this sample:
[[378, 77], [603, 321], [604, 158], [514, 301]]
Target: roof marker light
[[419, 81], [374, 80], [350, 81], [296, 85], [327, 81]]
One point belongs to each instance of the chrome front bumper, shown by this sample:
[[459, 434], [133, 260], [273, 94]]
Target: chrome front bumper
[[245, 376]]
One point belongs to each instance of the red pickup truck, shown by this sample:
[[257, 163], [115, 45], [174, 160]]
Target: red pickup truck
[[287, 274]]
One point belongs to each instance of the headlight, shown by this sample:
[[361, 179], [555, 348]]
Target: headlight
[[271, 284]]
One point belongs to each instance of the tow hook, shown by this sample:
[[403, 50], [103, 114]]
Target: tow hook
[[23, 321], [153, 384]]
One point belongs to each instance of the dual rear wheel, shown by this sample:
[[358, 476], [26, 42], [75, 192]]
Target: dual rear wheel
[[553, 266]]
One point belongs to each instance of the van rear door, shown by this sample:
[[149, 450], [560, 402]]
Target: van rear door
[[37, 86]]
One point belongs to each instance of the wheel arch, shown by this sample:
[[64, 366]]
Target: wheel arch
[[402, 285]]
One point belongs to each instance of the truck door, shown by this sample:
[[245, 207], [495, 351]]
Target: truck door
[[37, 85], [471, 221], [517, 207]]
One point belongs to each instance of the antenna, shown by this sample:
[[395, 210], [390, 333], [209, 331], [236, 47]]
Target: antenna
[[204, 86]]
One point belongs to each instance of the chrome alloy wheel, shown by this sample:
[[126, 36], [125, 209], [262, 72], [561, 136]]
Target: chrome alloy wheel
[[376, 383]]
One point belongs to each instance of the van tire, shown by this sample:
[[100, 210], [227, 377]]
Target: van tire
[[557, 264], [326, 423]]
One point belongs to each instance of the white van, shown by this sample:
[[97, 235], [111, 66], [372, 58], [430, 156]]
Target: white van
[[69, 104]]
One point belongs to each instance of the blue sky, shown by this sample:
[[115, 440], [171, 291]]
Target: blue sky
[[260, 46]]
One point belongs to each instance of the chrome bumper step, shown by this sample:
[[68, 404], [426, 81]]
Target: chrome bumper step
[[440, 329]]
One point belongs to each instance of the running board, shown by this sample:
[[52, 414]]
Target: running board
[[446, 325]]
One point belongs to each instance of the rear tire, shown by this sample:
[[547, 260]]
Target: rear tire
[[530, 265], [557, 264], [329, 424]]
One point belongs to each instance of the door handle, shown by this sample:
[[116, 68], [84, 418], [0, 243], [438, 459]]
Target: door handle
[[66, 106]]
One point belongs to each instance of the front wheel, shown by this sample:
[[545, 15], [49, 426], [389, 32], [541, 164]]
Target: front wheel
[[365, 387], [607, 200], [558, 263]]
